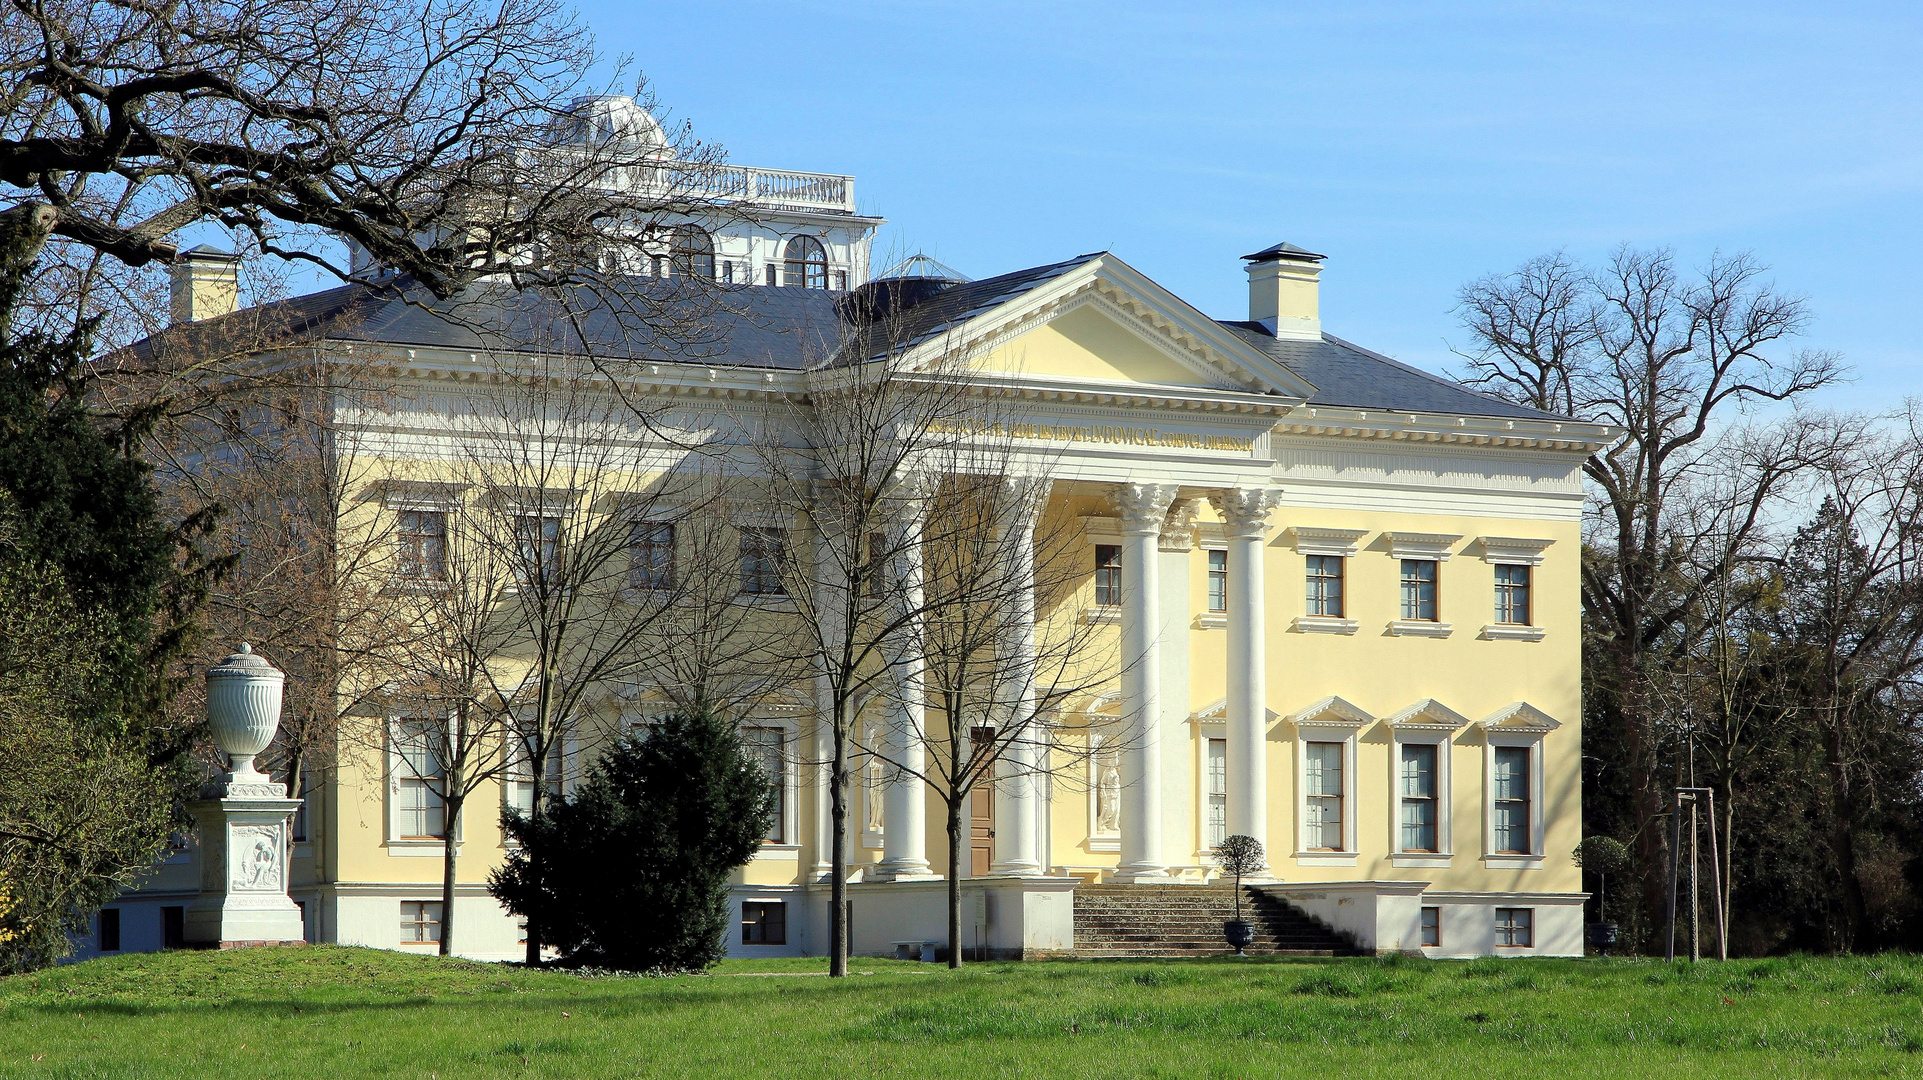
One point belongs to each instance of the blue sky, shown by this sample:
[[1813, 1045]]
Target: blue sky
[[1418, 145]]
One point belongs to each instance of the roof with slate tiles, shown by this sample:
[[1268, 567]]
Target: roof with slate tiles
[[759, 326]]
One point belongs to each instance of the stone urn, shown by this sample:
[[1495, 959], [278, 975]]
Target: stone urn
[[243, 709], [242, 817], [1239, 934]]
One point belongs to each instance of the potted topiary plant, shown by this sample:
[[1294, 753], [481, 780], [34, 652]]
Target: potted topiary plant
[[1603, 856], [1239, 855]]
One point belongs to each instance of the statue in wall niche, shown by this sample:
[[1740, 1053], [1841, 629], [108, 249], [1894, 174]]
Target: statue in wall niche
[[1108, 799], [873, 784]]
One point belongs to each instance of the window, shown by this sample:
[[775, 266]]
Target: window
[[651, 556], [1218, 815], [764, 923], [1511, 800], [658, 265], [771, 274], [1419, 590], [1512, 594], [762, 552], [1324, 795], [765, 745], [691, 253], [841, 281], [1108, 575], [1218, 581], [420, 920], [1515, 927], [1325, 585], [804, 264], [108, 937], [173, 927], [423, 541], [537, 548], [519, 783], [1432, 927], [1419, 797], [419, 810]]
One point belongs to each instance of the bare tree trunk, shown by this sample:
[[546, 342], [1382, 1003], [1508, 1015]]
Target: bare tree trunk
[[454, 805], [954, 804], [838, 862]]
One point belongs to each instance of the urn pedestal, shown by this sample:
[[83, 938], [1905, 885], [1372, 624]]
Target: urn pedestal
[[243, 817], [244, 841]]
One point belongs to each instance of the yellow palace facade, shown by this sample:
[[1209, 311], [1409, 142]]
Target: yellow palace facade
[[1347, 589]]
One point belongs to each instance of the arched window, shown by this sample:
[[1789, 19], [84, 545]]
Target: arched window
[[807, 263], [692, 253]]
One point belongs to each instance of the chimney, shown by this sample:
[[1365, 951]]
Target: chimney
[[1283, 282], [206, 284]]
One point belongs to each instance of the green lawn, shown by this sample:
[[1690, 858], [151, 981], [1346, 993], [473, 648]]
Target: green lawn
[[342, 1014]]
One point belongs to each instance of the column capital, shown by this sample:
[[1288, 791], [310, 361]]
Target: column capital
[[1178, 528], [1245, 511], [1143, 506]]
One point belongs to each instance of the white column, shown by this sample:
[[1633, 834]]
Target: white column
[[1178, 768], [1143, 507], [1245, 524], [1019, 791], [829, 586], [904, 802]]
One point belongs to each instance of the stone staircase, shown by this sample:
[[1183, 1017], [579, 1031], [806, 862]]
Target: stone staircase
[[1186, 920]]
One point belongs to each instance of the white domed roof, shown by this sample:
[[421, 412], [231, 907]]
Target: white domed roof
[[613, 118]]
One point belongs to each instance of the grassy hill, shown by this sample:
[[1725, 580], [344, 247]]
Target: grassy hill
[[340, 1013]]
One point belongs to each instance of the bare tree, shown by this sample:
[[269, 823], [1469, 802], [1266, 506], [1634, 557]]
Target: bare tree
[[1853, 617], [414, 132], [563, 485], [1668, 363], [993, 675], [846, 461]]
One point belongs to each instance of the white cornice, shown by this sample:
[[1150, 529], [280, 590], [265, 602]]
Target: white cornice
[[1325, 421]]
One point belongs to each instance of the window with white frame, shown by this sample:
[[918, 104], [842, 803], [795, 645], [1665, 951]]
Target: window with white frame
[[1421, 817], [1218, 793], [1325, 585], [421, 536], [1419, 590], [768, 747], [1218, 580], [763, 549], [1512, 594], [651, 555], [420, 921], [537, 547], [420, 809], [1432, 927], [1510, 798], [518, 787], [1515, 927], [1108, 575], [1323, 794]]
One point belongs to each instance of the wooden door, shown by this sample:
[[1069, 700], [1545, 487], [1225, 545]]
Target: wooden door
[[981, 816]]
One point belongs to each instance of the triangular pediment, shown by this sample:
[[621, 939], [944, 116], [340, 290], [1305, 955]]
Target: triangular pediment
[[1520, 716], [1427, 714], [1331, 712], [1103, 325]]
